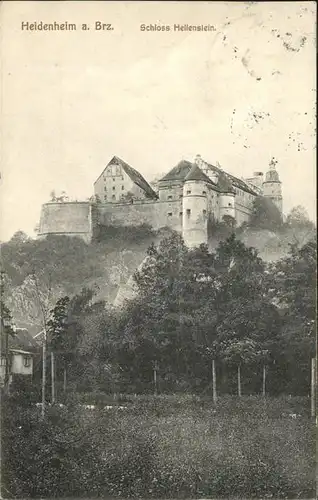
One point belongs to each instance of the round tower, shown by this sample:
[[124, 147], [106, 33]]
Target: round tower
[[226, 197], [227, 204], [272, 186], [195, 207]]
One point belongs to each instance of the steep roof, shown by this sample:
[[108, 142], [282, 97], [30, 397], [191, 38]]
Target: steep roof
[[179, 172], [234, 181], [196, 174], [224, 184], [22, 340], [134, 175]]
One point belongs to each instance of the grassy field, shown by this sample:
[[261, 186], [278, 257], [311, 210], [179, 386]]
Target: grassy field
[[170, 447], [187, 447]]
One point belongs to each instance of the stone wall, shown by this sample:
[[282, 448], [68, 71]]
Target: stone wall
[[157, 214], [68, 218]]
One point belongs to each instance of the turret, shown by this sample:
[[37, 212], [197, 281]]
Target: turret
[[195, 206], [272, 186], [226, 197]]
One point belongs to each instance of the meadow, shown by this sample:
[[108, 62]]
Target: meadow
[[165, 447]]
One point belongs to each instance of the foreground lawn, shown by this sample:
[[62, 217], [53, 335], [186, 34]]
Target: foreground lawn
[[172, 447]]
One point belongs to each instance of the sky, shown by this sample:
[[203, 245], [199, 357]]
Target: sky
[[70, 100]]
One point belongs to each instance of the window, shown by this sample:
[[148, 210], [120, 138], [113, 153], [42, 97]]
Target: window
[[204, 212], [113, 197], [169, 197], [169, 214], [203, 192], [27, 361], [180, 213], [113, 179], [3, 361], [188, 192], [230, 204], [105, 188], [105, 197], [114, 188], [188, 212], [180, 195], [122, 188]]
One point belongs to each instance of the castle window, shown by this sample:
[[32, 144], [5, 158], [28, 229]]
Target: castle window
[[169, 214], [27, 361], [113, 179], [169, 197], [188, 212], [188, 192], [105, 198], [180, 195], [114, 188], [105, 188], [180, 213], [203, 192], [122, 188], [204, 212], [230, 204], [113, 197]]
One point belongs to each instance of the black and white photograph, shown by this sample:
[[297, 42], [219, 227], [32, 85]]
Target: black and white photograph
[[158, 256]]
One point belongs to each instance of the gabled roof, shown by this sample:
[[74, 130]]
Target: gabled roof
[[22, 340], [179, 172], [234, 181], [196, 174], [134, 175]]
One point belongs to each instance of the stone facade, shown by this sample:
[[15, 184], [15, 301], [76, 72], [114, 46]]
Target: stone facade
[[185, 199]]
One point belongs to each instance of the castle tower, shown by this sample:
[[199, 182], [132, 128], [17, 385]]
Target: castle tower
[[195, 207], [226, 197], [272, 186]]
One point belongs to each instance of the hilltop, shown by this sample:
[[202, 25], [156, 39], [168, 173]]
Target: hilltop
[[40, 271]]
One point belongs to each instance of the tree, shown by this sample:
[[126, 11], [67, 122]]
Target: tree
[[70, 327], [293, 288], [18, 238], [298, 218], [265, 214], [245, 321], [229, 221], [195, 306]]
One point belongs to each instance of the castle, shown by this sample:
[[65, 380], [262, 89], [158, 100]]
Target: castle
[[184, 199]]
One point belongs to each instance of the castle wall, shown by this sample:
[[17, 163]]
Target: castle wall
[[170, 190], [69, 218], [158, 214]]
